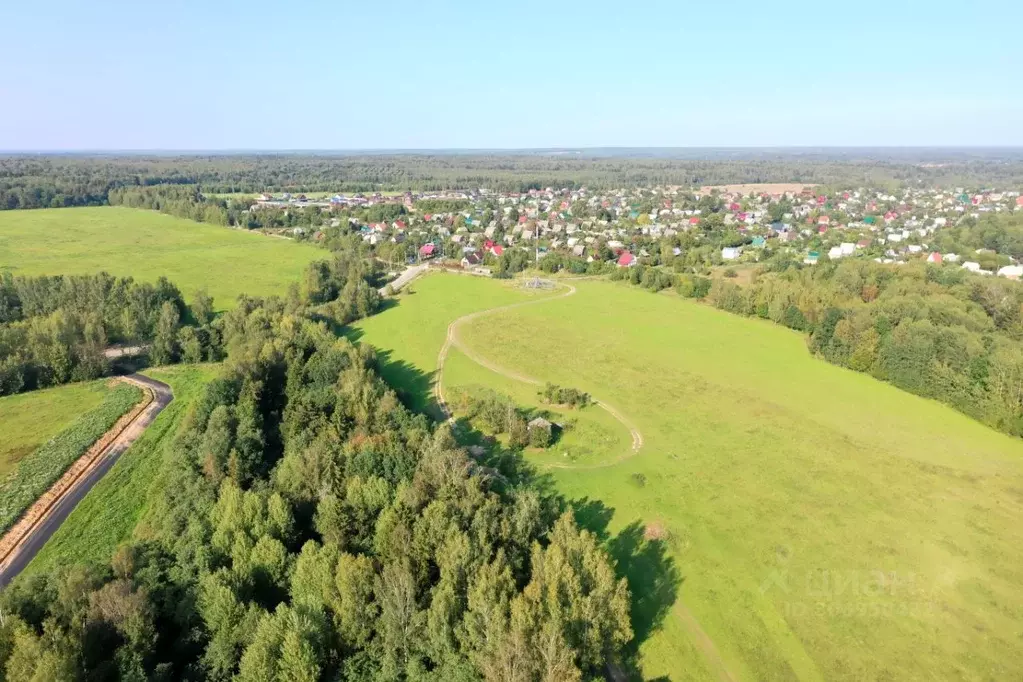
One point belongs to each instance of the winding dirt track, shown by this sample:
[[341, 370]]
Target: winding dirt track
[[453, 340], [718, 666]]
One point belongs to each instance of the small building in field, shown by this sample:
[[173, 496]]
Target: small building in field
[[541, 423]]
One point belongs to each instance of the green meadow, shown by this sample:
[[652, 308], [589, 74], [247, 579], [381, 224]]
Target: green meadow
[[28, 420], [146, 245], [785, 518]]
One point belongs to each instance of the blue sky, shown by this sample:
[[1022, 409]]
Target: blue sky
[[333, 75]]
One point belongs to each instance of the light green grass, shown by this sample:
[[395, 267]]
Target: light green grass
[[825, 525], [146, 245], [408, 342], [28, 420], [109, 513]]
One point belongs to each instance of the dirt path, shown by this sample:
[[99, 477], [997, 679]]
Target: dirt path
[[452, 340], [24, 540], [704, 643]]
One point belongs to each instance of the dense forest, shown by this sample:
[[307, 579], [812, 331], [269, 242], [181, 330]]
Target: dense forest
[[75, 180], [309, 527]]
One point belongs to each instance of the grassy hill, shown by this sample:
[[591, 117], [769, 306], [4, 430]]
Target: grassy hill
[[785, 518], [145, 245], [30, 419]]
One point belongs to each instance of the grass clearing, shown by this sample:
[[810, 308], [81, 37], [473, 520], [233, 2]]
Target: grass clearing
[[28, 420], [785, 518], [109, 513], [145, 245]]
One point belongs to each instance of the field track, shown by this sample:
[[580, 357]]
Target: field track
[[453, 340], [20, 545], [698, 636]]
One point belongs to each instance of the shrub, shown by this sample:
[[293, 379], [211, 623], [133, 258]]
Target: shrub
[[539, 438]]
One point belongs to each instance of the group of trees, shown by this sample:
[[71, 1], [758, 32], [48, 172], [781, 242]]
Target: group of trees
[[184, 201], [309, 527], [1000, 233], [56, 329], [344, 287], [938, 332], [493, 413], [553, 394]]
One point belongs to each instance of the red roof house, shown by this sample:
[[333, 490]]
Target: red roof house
[[935, 257], [694, 221], [1019, 201], [626, 260], [496, 249], [426, 250]]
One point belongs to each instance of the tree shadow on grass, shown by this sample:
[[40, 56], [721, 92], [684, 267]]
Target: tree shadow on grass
[[654, 578], [642, 557], [413, 386]]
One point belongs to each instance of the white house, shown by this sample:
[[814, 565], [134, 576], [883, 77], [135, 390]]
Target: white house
[[1011, 271], [971, 266], [848, 248], [731, 252]]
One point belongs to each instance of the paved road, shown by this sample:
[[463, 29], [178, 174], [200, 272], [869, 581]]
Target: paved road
[[37, 537], [404, 278]]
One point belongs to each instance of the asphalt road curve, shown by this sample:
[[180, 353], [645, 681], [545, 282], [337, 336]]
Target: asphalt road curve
[[62, 508]]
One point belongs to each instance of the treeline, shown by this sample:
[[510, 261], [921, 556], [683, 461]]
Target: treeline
[[74, 180], [55, 329], [183, 201], [938, 332], [186, 201], [309, 527]]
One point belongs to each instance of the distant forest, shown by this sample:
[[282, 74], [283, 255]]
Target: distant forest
[[42, 181]]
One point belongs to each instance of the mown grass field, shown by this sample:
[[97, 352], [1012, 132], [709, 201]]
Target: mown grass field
[[110, 512], [806, 522], [28, 420], [146, 245]]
